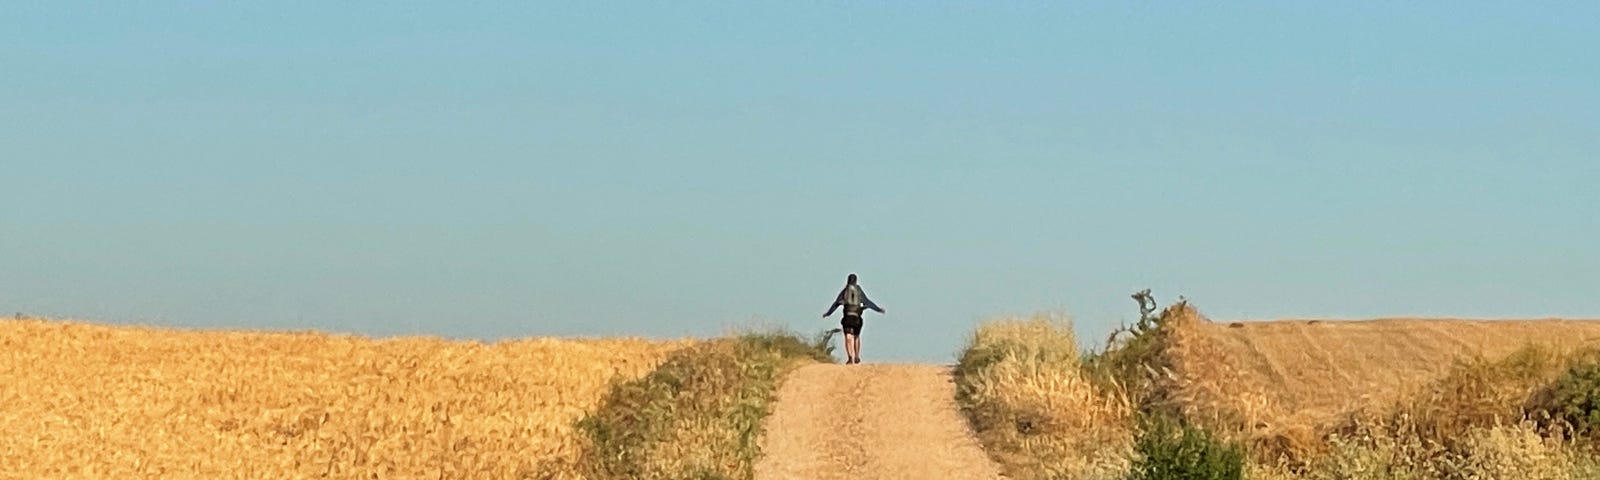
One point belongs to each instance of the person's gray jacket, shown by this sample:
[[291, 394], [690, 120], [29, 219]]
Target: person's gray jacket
[[856, 309]]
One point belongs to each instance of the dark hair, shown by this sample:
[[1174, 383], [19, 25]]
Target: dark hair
[[850, 280]]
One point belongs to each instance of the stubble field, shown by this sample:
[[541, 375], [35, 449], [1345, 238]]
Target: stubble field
[[1414, 399], [1313, 371]]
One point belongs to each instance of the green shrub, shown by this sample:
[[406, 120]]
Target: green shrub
[[784, 344], [823, 342], [1170, 450], [1134, 355], [1574, 398]]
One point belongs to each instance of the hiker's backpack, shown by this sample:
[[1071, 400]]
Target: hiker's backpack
[[851, 298]]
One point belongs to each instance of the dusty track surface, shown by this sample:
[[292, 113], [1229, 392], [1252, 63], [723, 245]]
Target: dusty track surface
[[891, 421]]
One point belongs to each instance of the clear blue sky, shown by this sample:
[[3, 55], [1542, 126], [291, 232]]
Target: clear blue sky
[[670, 168]]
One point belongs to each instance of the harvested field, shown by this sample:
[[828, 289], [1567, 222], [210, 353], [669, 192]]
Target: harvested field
[[1425, 399], [83, 400], [1312, 371]]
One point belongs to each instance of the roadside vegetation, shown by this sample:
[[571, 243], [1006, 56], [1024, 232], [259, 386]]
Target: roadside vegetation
[[1043, 410], [1030, 402], [1160, 400], [699, 414], [1525, 417], [96, 401]]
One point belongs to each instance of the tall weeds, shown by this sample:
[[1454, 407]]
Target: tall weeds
[[1483, 420], [1022, 387], [1531, 415]]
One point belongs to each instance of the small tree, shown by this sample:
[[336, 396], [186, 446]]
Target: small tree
[[1171, 450]]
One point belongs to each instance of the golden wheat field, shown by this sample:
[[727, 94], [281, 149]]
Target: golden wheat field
[[1312, 371], [82, 400]]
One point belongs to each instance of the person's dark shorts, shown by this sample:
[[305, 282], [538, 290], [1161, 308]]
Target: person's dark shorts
[[851, 324]]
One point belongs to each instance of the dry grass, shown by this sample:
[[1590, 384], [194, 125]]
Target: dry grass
[[1478, 421], [1385, 399], [698, 415], [1395, 398], [1502, 452], [1034, 409], [83, 400], [1197, 381], [1313, 372], [1282, 385]]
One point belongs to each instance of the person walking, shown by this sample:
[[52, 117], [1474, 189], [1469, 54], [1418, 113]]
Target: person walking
[[855, 302]]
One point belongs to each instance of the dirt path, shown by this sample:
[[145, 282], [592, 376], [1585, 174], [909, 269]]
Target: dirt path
[[871, 421]]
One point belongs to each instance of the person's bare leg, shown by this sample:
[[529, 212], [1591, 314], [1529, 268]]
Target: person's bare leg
[[858, 349], [850, 342]]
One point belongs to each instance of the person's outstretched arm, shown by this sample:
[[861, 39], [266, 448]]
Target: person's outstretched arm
[[837, 301], [868, 302]]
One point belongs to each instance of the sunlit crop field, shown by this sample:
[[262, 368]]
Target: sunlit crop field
[[1413, 399], [82, 400], [1313, 372]]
